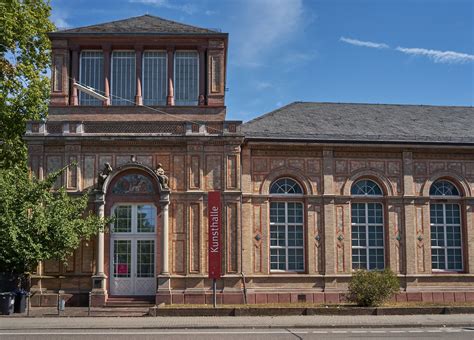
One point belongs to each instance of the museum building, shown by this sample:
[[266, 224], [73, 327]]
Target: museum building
[[310, 192]]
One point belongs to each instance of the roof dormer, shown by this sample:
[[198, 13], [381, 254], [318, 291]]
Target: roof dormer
[[143, 60]]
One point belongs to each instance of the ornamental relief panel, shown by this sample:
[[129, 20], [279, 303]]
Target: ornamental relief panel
[[134, 183], [296, 163], [309, 168], [341, 167], [470, 170], [423, 170], [277, 163], [344, 168]]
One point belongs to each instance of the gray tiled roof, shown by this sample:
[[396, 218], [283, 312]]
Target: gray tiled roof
[[365, 123], [142, 24]]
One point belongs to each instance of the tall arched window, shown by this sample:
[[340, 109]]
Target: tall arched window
[[286, 226], [445, 223], [367, 224]]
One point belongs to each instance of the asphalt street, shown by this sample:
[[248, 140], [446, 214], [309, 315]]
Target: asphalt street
[[231, 334]]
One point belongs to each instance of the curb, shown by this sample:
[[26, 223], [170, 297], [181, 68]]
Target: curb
[[291, 311], [312, 326]]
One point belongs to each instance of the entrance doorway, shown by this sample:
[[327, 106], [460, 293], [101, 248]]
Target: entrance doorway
[[133, 249]]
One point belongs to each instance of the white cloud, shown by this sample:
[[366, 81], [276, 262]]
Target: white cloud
[[447, 57], [265, 25], [59, 18], [186, 8], [295, 57], [210, 12], [263, 85], [363, 43]]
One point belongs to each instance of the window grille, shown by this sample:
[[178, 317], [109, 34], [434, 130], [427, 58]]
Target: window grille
[[367, 228], [366, 187], [443, 188], [186, 78], [285, 186], [91, 73], [286, 236], [286, 228], [154, 78], [445, 227], [123, 78], [367, 236], [446, 246]]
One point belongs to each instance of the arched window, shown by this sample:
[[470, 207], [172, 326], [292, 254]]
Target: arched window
[[366, 187], [286, 227], [367, 227], [443, 187], [445, 224], [286, 186]]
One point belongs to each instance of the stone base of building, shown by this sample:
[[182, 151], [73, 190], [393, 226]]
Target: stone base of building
[[329, 298], [48, 299]]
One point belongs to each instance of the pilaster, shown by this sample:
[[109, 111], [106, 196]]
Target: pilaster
[[329, 230], [170, 97], [74, 75], [138, 70], [106, 52]]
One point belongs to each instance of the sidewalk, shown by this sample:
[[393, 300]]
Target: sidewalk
[[310, 321]]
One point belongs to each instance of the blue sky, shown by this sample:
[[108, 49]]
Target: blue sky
[[280, 51]]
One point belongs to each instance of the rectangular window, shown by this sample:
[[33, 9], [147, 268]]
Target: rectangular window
[[367, 236], [91, 73], [154, 78], [122, 258], [186, 78], [123, 78], [446, 248], [145, 258], [123, 219], [145, 219], [286, 236]]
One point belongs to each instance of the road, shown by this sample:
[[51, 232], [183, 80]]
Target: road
[[245, 333]]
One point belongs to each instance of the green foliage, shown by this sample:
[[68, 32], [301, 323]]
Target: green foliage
[[38, 224], [24, 83], [372, 288]]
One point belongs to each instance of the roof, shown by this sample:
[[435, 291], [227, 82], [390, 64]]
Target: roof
[[365, 123], [147, 24]]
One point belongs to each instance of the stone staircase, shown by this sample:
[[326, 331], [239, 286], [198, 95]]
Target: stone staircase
[[126, 306], [130, 302]]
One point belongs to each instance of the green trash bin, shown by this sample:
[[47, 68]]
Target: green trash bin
[[7, 303]]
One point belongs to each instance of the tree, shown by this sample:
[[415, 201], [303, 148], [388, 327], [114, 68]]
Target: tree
[[38, 224], [24, 62]]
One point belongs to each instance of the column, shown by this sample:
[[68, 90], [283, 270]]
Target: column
[[138, 68], [202, 75], [100, 245], [170, 98], [99, 277], [74, 76], [106, 50], [99, 292], [164, 239]]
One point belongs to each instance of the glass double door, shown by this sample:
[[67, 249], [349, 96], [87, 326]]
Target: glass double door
[[133, 250]]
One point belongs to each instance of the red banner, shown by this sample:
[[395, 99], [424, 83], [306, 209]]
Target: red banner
[[214, 215]]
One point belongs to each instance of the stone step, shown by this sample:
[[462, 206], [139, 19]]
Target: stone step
[[130, 301]]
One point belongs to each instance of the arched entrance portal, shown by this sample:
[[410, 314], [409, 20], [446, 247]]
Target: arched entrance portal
[[133, 203], [134, 252]]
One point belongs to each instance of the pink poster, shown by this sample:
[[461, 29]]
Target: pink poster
[[122, 268]]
